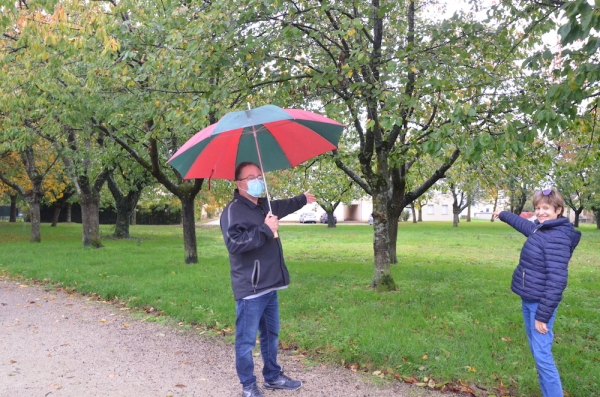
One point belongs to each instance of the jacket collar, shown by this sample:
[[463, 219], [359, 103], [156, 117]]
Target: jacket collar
[[239, 197], [551, 223]]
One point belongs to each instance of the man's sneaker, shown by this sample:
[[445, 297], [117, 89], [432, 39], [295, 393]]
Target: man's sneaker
[[283, 383], [252, 391]]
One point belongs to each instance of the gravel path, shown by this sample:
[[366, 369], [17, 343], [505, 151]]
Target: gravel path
[[56, 345]]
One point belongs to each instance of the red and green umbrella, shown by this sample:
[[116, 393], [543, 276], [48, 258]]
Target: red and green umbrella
[[272, 137]]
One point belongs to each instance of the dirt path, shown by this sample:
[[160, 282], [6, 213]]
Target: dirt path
[[54, 345]]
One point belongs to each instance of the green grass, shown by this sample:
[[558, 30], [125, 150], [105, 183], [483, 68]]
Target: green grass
[[453, 318]]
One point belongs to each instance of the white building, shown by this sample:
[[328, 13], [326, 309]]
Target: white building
[[438, 209]]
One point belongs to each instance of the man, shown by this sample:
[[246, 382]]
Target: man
[[258, 271]]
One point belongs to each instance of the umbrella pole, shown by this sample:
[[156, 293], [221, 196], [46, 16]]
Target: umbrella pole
[[276, 235]]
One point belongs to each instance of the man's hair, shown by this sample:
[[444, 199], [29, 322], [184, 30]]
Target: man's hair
[[551, 197], [241, 166]]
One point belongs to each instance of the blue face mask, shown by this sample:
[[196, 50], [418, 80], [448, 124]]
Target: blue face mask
[[256, 187]]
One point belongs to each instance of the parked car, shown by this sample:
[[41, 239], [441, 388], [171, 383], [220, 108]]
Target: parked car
[[324, 218], [308, 217]]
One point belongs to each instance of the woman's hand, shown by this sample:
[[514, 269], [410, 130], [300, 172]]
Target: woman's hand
[[541, 327]]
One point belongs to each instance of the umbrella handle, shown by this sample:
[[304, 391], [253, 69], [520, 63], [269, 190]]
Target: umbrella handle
[[275, 233]]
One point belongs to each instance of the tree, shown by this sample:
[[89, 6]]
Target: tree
[[329, 184], [171, 77], [47, 54], [125, 184], [32, 187], [408, 86]]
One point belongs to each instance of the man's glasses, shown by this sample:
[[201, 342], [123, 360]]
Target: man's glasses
[[251, 178], [545, 192]]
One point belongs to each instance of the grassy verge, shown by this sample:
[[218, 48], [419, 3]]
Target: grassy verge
[[453, 318]]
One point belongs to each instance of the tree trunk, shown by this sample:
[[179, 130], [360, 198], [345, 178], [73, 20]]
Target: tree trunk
[[133, 217], [576, 220], [420, 213], [69, 206], [125, 210], [494, 209], [469, 213], [189, 229], [382, 278], [597, 215], [520, 203], [330, 219], [125, 204], [35, 219], [122, 222], [393, 236], [90, 219], [456, 213], [13, 208], [56, 214], [34, 198], [414, 215]]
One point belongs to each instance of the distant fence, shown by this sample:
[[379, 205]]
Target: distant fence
[[108, 216]]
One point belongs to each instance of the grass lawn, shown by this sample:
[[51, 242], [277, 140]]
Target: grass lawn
[[453, 318]]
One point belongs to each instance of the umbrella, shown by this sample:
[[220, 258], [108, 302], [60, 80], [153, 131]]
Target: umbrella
[[272, 137]]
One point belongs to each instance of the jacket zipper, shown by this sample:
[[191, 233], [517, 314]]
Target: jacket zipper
[[523, 278], [255, 274]]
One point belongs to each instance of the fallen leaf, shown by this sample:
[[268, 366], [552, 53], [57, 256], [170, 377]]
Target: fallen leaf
[[179, 385], [103, 320]]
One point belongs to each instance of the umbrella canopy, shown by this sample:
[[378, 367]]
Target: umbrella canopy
[[273, 137]]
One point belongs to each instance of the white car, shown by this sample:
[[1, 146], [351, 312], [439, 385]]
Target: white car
[[308, 217]]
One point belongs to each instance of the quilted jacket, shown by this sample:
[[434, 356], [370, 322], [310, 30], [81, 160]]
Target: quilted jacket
[[542, 273]]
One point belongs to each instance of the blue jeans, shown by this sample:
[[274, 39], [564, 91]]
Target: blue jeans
[[258, 314], [541, 348]]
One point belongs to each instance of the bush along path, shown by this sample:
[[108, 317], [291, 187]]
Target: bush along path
[[56, 344]]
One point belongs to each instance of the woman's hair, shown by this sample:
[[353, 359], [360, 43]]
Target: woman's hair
[[551, 197]]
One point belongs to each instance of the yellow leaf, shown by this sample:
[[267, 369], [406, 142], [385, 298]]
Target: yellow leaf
[[425, 357]]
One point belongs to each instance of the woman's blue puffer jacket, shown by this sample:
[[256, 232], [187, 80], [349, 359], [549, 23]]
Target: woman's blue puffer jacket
[[542, 273]]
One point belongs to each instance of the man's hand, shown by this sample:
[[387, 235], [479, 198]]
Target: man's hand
[[496, 214], [310, 198], [541, 327], [273, 222]]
